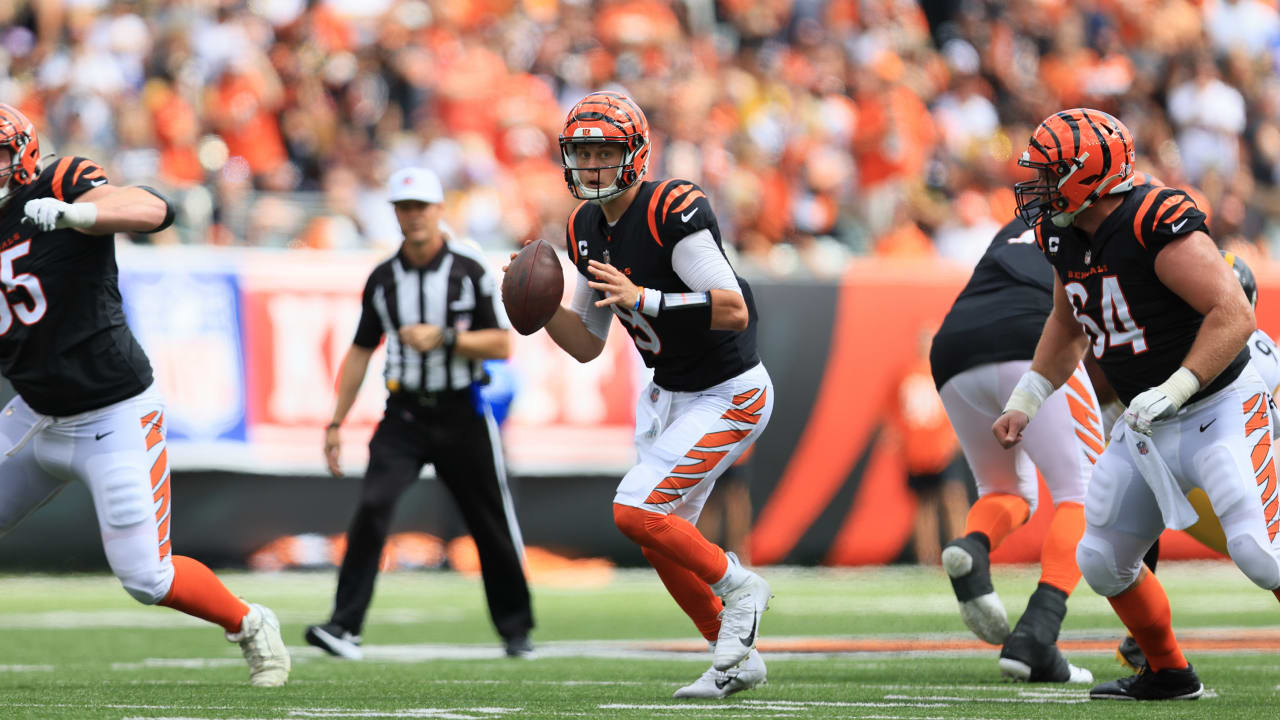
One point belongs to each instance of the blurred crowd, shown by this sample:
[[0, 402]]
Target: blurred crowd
[[820, 129]]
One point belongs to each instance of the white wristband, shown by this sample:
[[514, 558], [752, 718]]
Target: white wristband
[[1180, 386], [80, 215], [1029, 394], [651, 302]]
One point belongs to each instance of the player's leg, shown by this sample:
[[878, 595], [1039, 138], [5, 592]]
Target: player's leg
[[396, 457], [119, 452], [25, 485], [1063, 442], [1122, 520], [468, 460], [684, 441], [1006, 490]]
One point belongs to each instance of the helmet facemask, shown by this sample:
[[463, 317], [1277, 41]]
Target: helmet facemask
[[576, 175]]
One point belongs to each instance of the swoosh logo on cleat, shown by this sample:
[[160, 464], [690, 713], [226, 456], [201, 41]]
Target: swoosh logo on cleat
[[722, 684], [750, 639]]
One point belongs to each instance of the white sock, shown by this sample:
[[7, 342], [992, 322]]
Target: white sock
[[734, 575]]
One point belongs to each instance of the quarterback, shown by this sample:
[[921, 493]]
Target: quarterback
[[649, 253], [87, 408]]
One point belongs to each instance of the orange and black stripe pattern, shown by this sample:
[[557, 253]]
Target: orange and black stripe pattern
[[1086, 153], [153, 425], [680, 197], [734, 426], [1258, 424], [1169, 207], [1085, 417], [70, 173]]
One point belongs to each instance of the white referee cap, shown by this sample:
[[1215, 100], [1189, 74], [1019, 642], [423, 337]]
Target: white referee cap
[[415, 184]]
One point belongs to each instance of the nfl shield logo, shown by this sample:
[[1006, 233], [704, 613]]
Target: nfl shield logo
[[1088, 255], [1142, 448], [653, 394]]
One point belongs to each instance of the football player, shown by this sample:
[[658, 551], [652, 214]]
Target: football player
[[649, 253], [87, 407], [1140, 284], [984, 345]]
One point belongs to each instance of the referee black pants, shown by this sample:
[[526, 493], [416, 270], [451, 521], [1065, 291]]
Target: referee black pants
[[464, 447]]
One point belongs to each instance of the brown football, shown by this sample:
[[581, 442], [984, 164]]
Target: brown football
[[533, 287]]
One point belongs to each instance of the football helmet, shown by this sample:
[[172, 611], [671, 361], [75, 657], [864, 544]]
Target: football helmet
[[1079, 155], [18, 136], [606, 117], [1244, 275]]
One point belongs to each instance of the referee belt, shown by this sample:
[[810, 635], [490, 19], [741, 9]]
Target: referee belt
[[428, 399]]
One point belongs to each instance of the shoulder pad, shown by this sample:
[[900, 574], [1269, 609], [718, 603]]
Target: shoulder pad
[[678, 209], [1166, 213], [68, 178]]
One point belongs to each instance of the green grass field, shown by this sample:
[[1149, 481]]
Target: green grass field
[[79, 647]]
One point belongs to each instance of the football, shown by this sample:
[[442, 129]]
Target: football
[[533, 287]]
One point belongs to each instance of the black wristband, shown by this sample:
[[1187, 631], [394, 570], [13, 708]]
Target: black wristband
[[448, 338], [333, 426]]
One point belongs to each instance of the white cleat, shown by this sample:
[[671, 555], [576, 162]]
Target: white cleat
[[740, 619], [969, 569], [714, 684], [263, 648]]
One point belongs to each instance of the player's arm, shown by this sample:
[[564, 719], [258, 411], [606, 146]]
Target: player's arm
[[1062, 343], [104, 210], [1213, 291], [582, 328]]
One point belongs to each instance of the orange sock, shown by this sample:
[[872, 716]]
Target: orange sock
[[1144, 609], [197, 591], [996, 515], [674, 537], [1058, 554], [692, 595]]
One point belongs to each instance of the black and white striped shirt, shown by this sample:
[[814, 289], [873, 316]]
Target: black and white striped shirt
[[455, 290]]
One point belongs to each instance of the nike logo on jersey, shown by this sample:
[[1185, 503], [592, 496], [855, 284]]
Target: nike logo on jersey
[[1178, 225], [99, 436], [99, 181], [1206, 425], [685, 217], [750, 639]]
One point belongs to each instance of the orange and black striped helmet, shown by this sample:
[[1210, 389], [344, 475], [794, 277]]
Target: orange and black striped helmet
[[606, 117], [1079, 155], [18, 136]]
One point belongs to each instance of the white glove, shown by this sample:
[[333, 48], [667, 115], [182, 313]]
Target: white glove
[[51, 214], [1160, 402]]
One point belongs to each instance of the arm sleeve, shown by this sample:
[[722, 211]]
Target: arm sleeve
[[595, 318], [699, 263], [369, 330]]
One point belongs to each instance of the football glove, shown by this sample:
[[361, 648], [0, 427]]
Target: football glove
[[1161, 402], [51, 214]]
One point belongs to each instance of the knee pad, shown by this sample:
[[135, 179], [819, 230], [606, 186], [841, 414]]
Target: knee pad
[[1097, 561], [126, 492], [149, 588], [1255, 560]]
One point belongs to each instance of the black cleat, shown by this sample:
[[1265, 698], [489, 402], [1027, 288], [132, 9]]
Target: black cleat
[[1028, 660], [967, 562], [1148, 684], [1130, 655], [335, 640], [519, 647]]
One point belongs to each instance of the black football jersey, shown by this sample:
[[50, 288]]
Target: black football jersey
[[1140, 330], [685, 354], [1000, 313], [64, 344]]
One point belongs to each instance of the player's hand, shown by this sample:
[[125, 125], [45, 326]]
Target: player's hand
[[617, 288], [52, 214], [1008, 428], [509, 259], [332, 445], [1147, 407], [421, 337]]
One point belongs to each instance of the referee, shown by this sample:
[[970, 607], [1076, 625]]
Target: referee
[[436, 304]]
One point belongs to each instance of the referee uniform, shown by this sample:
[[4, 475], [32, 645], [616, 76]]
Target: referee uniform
[[436, 305]]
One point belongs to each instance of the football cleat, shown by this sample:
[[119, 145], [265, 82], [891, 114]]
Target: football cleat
[[335, 640], [968, 565], [714, 684], [519, 647], [1024, 659], [1130, 655], [1148, 684], [740, 619], [263, 648]]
